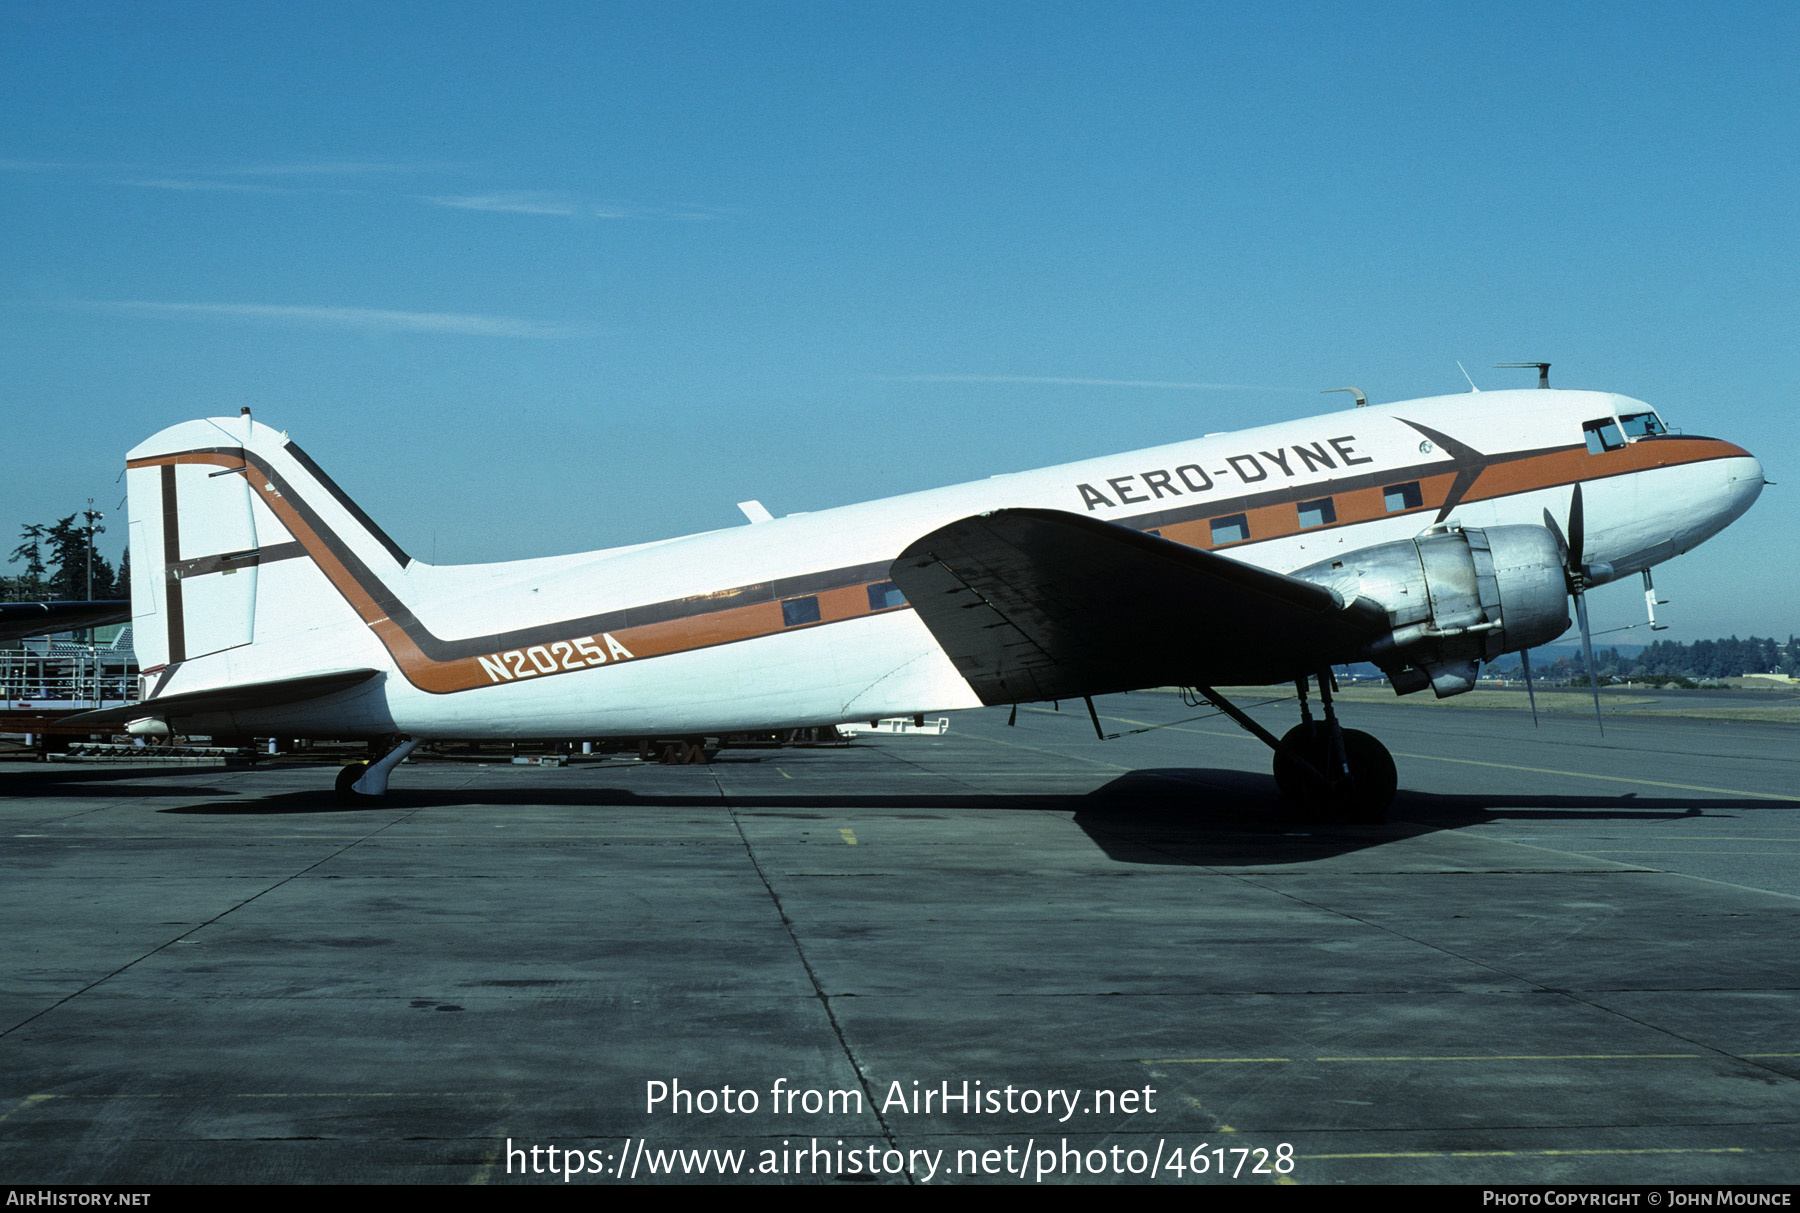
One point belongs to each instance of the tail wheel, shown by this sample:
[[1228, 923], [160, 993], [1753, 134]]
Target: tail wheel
[[346, 779]]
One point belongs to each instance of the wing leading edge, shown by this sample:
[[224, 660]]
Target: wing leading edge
[[36, 618], [1036, 604]]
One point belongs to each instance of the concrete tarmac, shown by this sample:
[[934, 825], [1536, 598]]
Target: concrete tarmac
[[1567, 959]]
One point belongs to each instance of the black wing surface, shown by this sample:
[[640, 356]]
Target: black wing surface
[[36, 618], [1037, 604]]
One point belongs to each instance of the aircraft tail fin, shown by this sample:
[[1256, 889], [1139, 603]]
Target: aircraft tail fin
[[237, 539]]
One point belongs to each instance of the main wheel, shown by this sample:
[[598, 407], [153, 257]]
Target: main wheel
[[1306, 740], [1363, 796], [1368, 791]]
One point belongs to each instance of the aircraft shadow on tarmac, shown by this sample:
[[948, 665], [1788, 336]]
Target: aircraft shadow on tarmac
[[57, 779], [1152, 816]]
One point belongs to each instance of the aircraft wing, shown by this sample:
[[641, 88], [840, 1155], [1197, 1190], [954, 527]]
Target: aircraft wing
[[36, 618], [1037, 604]]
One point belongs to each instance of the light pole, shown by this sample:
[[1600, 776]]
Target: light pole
[[92, 515]]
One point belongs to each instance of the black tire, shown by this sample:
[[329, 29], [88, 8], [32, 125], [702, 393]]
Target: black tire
[[347, 794], [1366, 795], [1307, 741]]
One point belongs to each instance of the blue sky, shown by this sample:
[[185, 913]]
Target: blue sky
[[543, 278]]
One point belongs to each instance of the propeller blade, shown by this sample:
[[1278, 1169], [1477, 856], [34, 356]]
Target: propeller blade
[[1587, 652], [1530, 691], [1577, 553]]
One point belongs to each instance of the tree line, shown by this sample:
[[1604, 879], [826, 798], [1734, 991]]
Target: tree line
[[60, 564], [1670, 660]]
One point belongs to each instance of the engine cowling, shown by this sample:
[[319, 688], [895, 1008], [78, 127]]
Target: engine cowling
[[1454, 597]]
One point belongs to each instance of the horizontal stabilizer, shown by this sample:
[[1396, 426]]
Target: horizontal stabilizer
[[1040, 604], [36, 618], [244, 696]]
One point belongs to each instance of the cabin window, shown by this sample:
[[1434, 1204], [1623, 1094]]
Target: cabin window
[[1317, 513], [1403, 496], [1602, 434], [884, 595], [1642, 425], [796, 611], [1233, 528]]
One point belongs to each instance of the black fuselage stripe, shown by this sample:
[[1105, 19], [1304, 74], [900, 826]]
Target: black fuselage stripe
[[171, 537], [342, 498], [441, 650], [200, 566]]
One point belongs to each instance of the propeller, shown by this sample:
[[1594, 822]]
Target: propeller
[[1575, 575]]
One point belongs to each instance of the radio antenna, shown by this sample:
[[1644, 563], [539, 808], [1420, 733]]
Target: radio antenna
[[1543, 370]]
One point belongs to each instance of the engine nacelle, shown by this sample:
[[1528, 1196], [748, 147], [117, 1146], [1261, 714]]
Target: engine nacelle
[[1454, 597]]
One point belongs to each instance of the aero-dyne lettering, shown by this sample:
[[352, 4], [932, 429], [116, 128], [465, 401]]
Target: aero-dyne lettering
[[1247, 467]]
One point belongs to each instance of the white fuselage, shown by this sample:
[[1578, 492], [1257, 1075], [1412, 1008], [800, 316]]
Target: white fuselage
[[715, 633]]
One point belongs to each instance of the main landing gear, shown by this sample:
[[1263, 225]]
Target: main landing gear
[[1339, 774], [366, 782]]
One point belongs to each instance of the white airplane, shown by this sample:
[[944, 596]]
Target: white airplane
[[1425, 536]]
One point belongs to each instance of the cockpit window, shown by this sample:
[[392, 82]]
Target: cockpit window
[[1637, 425], [1602, 435]]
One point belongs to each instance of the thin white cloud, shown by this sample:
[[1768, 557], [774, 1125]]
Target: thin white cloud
[[189, 184], [1178, 385], [331, 168], [382, 320], [519, 202], [548, 202]]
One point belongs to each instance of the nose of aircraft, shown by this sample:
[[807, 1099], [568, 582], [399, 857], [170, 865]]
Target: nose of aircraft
[[1743, 485]]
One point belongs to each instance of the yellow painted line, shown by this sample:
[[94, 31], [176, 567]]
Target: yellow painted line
[[1015, 745], [1504, 766], [25, 1105], [1177, 728], [1668, 851], [849, 836], [1647, 783]]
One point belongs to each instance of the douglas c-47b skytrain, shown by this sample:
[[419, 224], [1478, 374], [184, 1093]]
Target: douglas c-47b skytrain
[[1426, 537]]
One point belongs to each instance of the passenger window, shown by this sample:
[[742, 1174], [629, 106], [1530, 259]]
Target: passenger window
[[1641, 425], [885, 594], [1317, 513], [1602, 435], [1233, 528], [796, 611], [1403, 496]]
